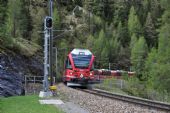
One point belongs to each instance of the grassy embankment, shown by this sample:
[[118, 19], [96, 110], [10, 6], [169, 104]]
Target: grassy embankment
[[25, 104], [132, 86]]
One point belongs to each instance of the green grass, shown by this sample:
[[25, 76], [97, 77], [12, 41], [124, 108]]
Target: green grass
[[25, 104]]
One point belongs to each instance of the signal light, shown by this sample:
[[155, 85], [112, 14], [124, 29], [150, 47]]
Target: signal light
[[48, 22]]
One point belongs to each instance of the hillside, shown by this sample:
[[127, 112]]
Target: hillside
[[129, 34]]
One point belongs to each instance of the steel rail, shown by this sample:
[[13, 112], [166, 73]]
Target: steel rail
[[131, 99]]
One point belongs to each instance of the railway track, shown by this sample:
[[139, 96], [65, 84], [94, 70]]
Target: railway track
[[131, 99]]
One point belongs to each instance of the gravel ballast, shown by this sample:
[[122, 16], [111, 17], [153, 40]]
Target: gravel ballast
[[98, 104]]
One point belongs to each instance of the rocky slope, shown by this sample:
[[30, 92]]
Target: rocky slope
[[13, 68]]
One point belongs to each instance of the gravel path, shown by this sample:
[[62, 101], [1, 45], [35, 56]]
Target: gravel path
[[70, 107], [97, 104]]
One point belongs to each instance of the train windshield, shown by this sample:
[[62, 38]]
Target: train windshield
[[81, 61]]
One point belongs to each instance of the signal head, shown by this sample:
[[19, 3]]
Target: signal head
[[48, 22]]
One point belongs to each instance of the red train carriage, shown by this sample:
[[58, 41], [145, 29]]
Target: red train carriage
[[79, 68]]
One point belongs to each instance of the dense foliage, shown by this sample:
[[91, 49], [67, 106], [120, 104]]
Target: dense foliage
[[128, 34]]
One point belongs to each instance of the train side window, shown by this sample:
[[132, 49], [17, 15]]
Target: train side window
[[68, 64]]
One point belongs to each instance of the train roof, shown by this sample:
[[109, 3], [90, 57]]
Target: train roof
[[81, 52]]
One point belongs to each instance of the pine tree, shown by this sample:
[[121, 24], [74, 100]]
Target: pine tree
[[157, 64], [97, 22], [90, 42], [105, 57], [122, 35], [99, 43], [144, 11], [155, 10], [4, 40], [98, 8], [119, 32], [25, 20], [109, 30], [134, 25], [165, 4], [77, 43], [150, 32], [12, 22], [133, 41], [108, 10], [37, 22], [114, 47], [121, 9], [138, 55], [163, 70], [150, 66], [103, 9], [13, 17], [3, 10]]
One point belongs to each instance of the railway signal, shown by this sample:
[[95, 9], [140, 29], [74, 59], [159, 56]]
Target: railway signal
[[48, 46], [48, 22]]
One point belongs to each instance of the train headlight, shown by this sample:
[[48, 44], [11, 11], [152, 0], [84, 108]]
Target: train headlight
[[71, 73], [81, 75], [91, 74]]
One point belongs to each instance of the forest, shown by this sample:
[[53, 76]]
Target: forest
[[131, 35]]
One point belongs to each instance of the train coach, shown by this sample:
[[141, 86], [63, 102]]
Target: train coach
[[79, 68]]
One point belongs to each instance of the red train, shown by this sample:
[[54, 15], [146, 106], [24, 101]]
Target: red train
[[79, 68], [104, 73]]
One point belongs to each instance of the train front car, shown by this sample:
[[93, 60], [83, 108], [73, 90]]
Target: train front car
[[79, 68]]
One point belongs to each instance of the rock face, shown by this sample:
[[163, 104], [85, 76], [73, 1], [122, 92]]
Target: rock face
[[10, 83], [13, 68]]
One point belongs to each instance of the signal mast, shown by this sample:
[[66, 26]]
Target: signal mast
[[48, 53]]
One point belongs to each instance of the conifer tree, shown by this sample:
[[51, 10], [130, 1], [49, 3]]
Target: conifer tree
[[150, 32], [25, 20], [134, 25], [162, 72], [114, 47], [13, 17], [90, 42], [99, 43], [150, 66], [138, 55], [98, 23], [38, 15], [3, 10], [119, 33], [157, 64], [105, 57], [98, 8], [4, 40], [155, 10], [133, 41], [145, 10], [121, 11], [122, 35], [77, 43]]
